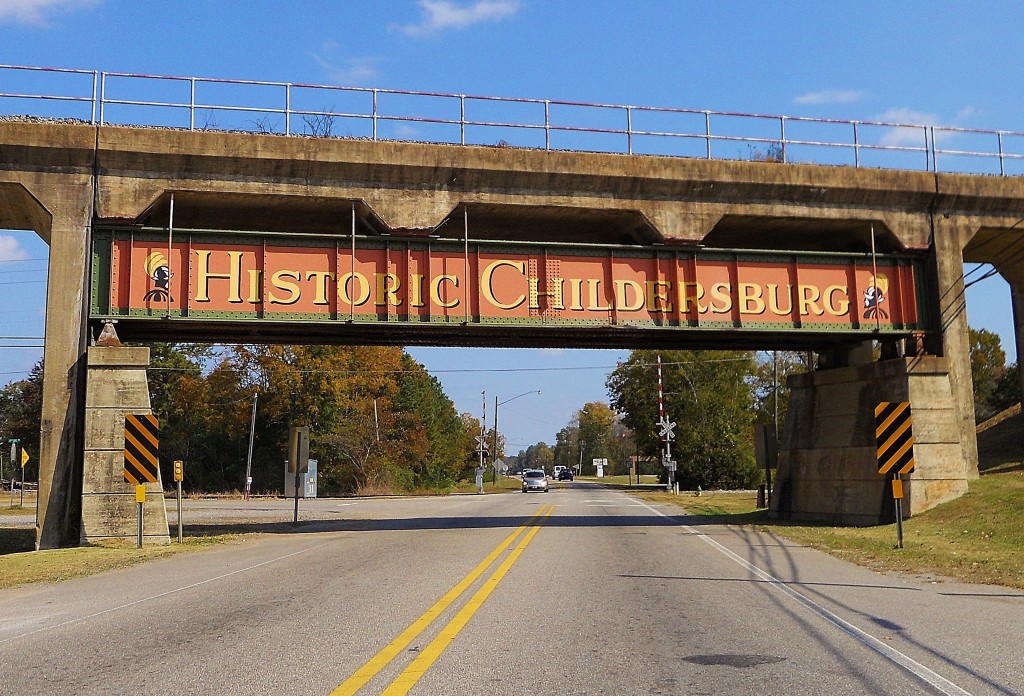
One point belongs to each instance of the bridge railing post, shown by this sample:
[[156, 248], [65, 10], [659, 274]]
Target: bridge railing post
[[547, 124], [374, 116], [929, 147], [192, 103], [1002, 162], [707, 131], [856, 145], [782, 131], [629, 129], [462, 118], [288, 109], [103, 90], [95, 88]]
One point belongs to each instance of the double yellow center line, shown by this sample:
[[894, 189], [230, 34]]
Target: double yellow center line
[[412, 674]]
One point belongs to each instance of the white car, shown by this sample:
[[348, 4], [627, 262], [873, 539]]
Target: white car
[[535, 480]]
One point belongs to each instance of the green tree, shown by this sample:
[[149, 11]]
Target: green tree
[[1007, 390], [422, 398], [21, 409], [988, 365], [709, 395], [596, 420]]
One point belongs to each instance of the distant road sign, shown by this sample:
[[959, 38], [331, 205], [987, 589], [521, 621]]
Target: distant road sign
[[141, 448], [894, 436], [24, 458], [179, 470]]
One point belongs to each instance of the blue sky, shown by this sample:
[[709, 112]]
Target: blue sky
[[932, 63]]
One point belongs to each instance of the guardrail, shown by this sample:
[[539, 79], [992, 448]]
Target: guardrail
[[199, 103]]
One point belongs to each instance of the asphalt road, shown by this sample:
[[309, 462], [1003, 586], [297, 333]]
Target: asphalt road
[[577, 591]]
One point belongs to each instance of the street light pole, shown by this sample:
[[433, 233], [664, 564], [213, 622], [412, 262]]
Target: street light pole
[[494, 447]]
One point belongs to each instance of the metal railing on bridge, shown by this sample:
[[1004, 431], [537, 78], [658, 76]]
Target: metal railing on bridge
[[199, 103]]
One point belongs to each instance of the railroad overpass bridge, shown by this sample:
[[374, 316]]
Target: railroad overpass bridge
[[397, 225]]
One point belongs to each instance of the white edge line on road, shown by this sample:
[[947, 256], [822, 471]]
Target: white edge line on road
[[158, 596], [887, 651]]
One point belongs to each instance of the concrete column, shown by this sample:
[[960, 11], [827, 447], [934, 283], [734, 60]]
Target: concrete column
[[949, 337], [1017, 301], [116, 386], [60, 443]]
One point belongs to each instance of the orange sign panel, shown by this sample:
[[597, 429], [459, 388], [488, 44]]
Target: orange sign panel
[[414, 281]]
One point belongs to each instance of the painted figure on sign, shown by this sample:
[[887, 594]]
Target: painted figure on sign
[[159, 270], [874, 296]]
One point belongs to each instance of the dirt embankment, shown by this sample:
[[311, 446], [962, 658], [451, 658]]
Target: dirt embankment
[[1001, 439]]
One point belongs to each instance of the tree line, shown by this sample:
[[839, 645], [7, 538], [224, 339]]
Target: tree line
[[379, 422]]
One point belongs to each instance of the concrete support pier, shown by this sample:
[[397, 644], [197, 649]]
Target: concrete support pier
[[116, 384], [828, 469]]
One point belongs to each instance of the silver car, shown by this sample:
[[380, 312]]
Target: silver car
[[535, 480]]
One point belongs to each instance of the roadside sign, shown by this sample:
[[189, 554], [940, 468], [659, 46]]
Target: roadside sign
[[141, 448], [894, 436], [179, 470], [24, 458], [298, 449]]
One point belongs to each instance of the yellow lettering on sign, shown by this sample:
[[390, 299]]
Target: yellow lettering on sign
[[320, 279], [837, 300], [279, 281], [691, 292], [416, 290], [362, 288], [488, 284], [722, 292], [750, 299], [773, 300], [576, 293], [254, 286], [809, 295], [595, 303], [388, 286], [622, 292], [435, 290], [203, 275], [658, 300], [555, 294]]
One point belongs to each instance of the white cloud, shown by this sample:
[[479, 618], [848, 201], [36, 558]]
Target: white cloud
[[346, 71], [910, 135], [446, 14], [38, 12], [10, 250], [830, 96]]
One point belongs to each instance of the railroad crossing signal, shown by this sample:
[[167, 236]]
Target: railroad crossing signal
[[141, 448], [894, 437], [666, 428]]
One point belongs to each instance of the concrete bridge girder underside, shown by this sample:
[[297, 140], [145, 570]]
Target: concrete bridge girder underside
[[59, 178]]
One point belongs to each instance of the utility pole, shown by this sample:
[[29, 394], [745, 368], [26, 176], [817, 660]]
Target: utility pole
[[248, 460]]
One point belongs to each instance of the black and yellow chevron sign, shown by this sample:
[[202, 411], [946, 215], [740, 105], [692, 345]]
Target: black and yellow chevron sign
[[894, 435], [141, 448]]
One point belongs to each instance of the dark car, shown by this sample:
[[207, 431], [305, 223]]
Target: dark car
[[565, 474]]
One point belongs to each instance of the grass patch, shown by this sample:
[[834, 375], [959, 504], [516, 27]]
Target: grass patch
[[21, 565], [976, 538], [505, 484]]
